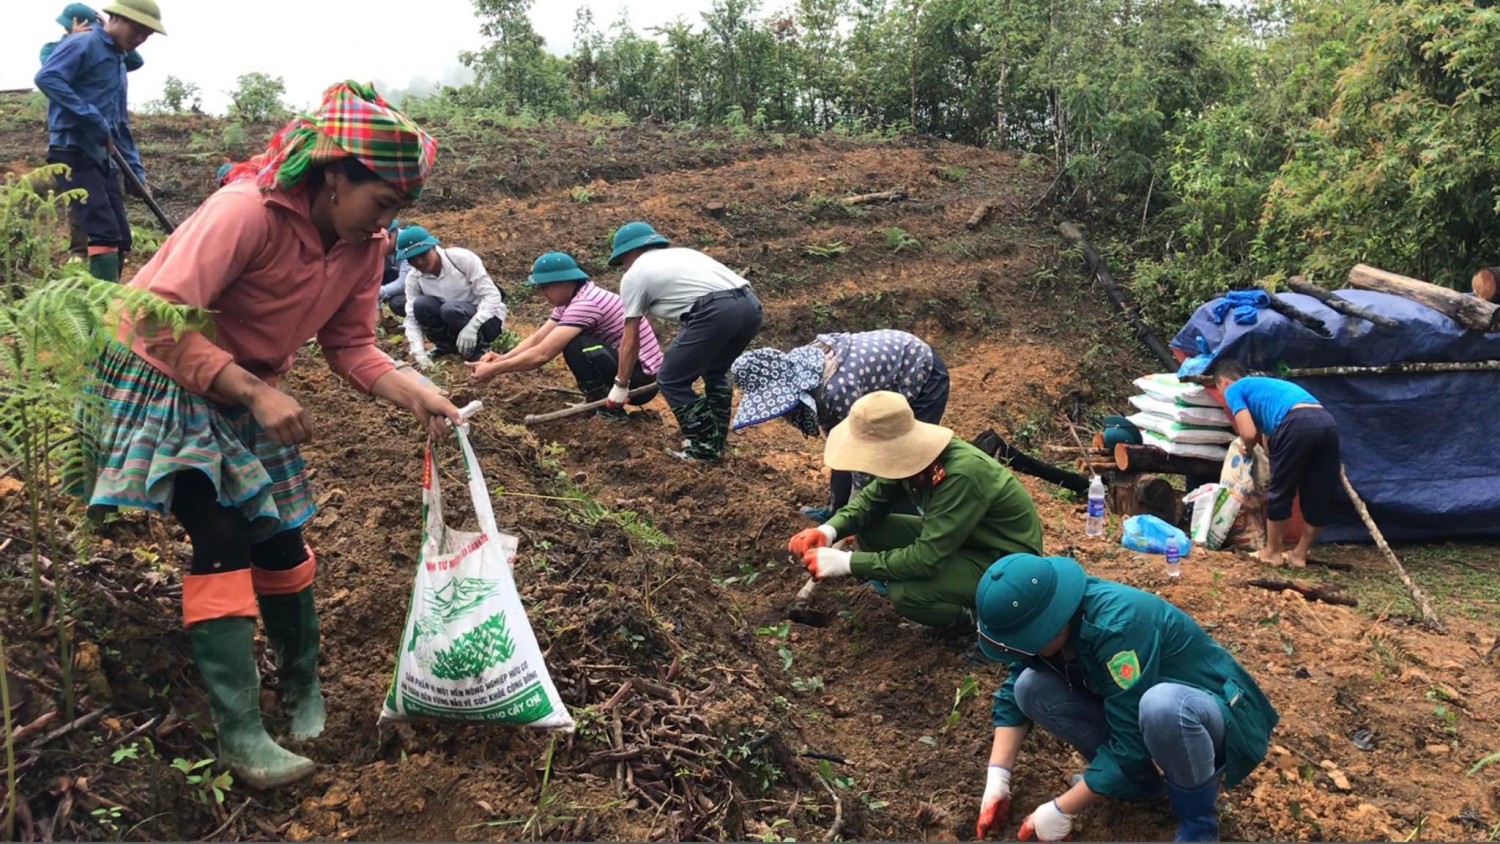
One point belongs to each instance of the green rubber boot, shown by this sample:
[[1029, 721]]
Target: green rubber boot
[[224, 649], [105, 267], [292, 628]]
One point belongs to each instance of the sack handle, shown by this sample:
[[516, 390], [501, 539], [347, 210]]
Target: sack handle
[[484, 511]]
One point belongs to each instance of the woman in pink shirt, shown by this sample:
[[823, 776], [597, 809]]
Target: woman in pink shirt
[[195, 425]]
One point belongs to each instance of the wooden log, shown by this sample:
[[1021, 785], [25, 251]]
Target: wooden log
[[884, 196], [1086, 451], [535, 418], [1486, 284], [1098, 441], [980, 214], [1101, 272], [1095, 465], [1149, 458], [1296, 314], [1471, 312], [1328, 593], [1298, 284], [1132, 495], [991, 443], [1419, 597]]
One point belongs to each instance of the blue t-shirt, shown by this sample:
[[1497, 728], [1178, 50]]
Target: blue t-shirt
[[1267, 399]]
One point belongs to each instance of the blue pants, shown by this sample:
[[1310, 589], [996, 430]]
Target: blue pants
[[1183, 727]]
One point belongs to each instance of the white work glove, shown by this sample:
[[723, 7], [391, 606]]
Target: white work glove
[[617, 397], [824, 563], [468, 339], [421, 360], [994, 808], [1048, 823]]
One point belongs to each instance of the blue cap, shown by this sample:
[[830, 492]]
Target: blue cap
[[554, 267], [633, 236], [1024, 601], [77, 11], [413, 241]]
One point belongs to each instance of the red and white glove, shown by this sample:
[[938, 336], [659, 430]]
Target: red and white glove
[[994, 809], [618, 394], [824, 563], [1047, 823], [819, 537]]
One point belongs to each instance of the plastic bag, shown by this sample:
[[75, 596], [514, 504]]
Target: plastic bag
[[1177, 432], [1215, 507], [468, 652], [1207, 452], [1187, 414], [1248, 478], [1165, 386], [1149, 535]]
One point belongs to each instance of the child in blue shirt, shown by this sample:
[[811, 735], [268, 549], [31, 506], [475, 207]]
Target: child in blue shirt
[[1303, 443]]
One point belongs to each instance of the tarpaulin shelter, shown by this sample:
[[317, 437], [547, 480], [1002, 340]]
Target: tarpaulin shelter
[[1416, 444]]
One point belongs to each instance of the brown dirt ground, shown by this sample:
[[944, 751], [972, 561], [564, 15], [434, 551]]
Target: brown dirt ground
[[1028, 347]]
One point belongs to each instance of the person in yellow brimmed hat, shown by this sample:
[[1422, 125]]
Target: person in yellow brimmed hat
[[84, 80], [194, 423], [973, 511]]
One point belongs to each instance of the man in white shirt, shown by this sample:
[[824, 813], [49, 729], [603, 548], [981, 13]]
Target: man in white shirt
[[450, 299], [720, 315]]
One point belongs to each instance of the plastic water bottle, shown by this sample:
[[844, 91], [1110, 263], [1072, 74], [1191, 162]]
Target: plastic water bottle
[[1095, 524], [1174, 562]]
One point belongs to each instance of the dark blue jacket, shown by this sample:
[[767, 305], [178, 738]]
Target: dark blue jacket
[[84, 80]]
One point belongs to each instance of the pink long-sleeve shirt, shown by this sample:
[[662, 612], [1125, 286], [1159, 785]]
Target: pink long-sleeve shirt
[[257, 262]]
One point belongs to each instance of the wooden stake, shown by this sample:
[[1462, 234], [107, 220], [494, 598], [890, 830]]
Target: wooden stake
[[1298, 284], [1101, 272], [535, 418], [1429, 617], [1470, 312], [980, 214], [895, 195]]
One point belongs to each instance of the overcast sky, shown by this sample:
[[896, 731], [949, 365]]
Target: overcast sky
[[393, 43]]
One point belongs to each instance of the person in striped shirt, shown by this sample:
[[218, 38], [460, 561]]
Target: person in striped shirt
[[585, 327]]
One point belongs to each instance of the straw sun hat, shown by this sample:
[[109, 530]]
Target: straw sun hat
[[881, 437]]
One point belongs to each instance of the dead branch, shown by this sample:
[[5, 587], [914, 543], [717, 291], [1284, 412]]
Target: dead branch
[[838, 810], [1419, 597], [895, 195], [981, 214], [1328, 593]]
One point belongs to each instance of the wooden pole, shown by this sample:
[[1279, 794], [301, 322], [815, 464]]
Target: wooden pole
[[1149, 458], [1297, 315], [1471, 312], [1101, 272], [536, 418], [980, 215], [1429, 617], [1298, 284], [1395, 369], [1486, 284]]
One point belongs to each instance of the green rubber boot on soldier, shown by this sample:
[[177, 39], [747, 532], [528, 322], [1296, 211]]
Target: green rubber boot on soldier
[[292, 629], [224, 650], [696, 421]]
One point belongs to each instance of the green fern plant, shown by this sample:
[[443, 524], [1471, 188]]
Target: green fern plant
[[54, 321]]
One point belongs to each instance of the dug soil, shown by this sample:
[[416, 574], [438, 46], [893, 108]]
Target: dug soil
[[659, 589]]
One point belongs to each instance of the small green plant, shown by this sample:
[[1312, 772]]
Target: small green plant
[[208, 786], [748, 574], [967, 689], [772, 836], [129, 751], [897, 240], [107, 817], [808, 685], [953, 173], [234, 138], [505, 342], [580, 194], [826, 251]]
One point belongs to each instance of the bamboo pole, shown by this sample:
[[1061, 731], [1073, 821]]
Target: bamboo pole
[[1419, 597], [535, 418], [1298, 284], [1100, 271]]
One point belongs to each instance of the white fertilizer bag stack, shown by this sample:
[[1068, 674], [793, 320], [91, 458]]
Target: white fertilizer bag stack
[[1181, 419]]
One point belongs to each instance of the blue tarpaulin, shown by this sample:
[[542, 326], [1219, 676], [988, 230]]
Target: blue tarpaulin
[[1417, 446]]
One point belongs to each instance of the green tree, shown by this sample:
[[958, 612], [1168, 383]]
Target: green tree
[[178, 96], [513, 71], [257, 97]]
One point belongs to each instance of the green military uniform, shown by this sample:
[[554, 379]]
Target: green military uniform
[[972, 513], [1123, 641]]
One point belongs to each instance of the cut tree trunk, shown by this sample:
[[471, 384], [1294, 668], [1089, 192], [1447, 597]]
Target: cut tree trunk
[[1328, 593], [1418, 597], [884, 196], [1149, 458], [1298, 284], [1101, 272], [1096, 465], [991, 443], [1486, 284], [1471, 312], [1132, 495], [980, 215]]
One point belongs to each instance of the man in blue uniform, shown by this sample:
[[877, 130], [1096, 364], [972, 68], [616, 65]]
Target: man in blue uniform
[[1125, 677]]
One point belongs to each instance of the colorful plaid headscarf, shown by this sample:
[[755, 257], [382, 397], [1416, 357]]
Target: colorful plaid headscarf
[[352, 121]]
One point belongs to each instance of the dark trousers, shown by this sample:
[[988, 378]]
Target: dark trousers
[[220, 535], [595, 366], [928, 406], [714, 333], [443, 321], [1304, 459], [102, 218]]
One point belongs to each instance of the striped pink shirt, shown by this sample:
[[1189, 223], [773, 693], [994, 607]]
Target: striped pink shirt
[[599, 312]]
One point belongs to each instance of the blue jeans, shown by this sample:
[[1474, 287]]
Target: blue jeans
[[1183, 727]]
